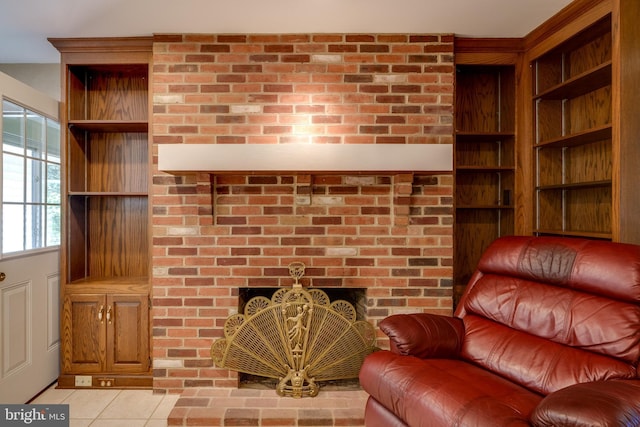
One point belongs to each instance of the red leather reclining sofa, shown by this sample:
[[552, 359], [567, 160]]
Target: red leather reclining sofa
[[547, 333]]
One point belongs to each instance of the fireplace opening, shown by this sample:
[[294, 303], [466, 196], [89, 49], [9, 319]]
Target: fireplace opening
[[354, 296]]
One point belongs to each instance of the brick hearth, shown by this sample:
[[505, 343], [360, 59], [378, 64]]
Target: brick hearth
[[249, 407]]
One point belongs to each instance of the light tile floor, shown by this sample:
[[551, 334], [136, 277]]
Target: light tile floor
[[112, 408]]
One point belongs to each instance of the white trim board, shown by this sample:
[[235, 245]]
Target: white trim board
[[15, 91], [359, 158]]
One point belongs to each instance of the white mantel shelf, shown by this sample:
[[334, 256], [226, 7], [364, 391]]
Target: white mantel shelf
[[305, 158]]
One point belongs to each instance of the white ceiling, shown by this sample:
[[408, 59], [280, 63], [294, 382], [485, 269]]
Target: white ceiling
[[25, 25]]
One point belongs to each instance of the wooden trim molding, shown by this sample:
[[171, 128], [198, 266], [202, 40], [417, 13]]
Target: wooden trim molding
[[573, 18], [103, 44]]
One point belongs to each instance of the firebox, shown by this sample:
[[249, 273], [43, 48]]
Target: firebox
[[298, 337]]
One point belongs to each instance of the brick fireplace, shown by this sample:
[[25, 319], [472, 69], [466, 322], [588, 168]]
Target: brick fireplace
[[214, 234]]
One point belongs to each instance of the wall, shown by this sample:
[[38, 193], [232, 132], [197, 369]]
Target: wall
[[390, 233], [42, 77]]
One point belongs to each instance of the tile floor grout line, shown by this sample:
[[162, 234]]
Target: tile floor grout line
[[157, 412], [103, 409], [153, 411], [120, 392]]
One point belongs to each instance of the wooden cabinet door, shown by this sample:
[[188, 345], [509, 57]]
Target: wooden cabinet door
[[83, 330], [127, 333]]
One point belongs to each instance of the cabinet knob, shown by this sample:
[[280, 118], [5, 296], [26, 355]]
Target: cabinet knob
[[109, 314], [2, 276], [100, 313]]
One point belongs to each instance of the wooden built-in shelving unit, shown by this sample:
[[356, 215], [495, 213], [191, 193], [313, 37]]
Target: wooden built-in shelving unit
[[563, 144], [572, 104], [485, 156], [106, 251]]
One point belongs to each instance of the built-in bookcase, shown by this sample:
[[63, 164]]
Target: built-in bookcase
[[547, 137], [105, 254], [108, 172], [484, 162], [573, 135]]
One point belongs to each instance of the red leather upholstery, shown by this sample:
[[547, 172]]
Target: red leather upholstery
[[541, 319], [601, 403]]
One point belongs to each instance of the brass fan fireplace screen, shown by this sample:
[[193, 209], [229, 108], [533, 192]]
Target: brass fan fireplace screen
[[298, 337]]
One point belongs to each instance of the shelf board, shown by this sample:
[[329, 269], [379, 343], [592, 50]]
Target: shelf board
[[468, 136], [587, 234], [484, 206], [108, 193], [119, 280], [577, 185], [110, 125], [579, 138], [109, 285], [586, 82], [471, 169]]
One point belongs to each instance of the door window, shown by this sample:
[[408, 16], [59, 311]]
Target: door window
[[30, 180]]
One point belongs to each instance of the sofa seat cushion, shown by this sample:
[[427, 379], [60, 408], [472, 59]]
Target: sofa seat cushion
[[444, 392]]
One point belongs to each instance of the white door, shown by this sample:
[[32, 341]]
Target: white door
[[29, 243]]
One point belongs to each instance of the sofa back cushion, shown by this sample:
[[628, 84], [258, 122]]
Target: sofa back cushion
[[551, 312]]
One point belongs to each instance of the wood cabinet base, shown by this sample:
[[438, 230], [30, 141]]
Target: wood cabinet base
[[103, 380]]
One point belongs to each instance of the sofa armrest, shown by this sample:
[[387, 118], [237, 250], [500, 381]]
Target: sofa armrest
[[424, 335], [598, 403]]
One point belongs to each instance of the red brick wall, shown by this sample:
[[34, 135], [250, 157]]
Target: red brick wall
[[215, 233]]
